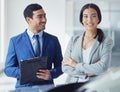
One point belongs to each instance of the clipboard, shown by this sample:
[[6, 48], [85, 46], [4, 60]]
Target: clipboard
[[29, 68]]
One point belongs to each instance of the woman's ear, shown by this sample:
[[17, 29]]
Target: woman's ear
[[98, 21]]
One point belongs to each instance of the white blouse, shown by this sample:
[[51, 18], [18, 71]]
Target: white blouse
[[86, 59]]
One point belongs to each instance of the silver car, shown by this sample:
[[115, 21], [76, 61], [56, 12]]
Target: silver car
[[108, 82]]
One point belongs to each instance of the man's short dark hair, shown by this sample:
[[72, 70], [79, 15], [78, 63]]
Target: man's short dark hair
[[28, 12]]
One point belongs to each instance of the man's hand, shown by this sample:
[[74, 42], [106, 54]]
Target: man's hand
[[43, 74]]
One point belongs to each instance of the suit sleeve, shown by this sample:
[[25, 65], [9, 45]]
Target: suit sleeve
[[56, 71], [11, 64]]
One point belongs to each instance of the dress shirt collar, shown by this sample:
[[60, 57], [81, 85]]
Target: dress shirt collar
[[31, 34]]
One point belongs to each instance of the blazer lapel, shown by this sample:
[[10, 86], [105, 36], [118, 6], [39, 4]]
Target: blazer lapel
[[28, 43], [81, 56], [95, 46]]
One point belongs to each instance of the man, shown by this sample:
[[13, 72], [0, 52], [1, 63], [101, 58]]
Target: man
[[22, 47]]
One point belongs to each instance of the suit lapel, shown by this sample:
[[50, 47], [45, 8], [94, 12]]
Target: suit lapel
[[28, 43], [45, 43]]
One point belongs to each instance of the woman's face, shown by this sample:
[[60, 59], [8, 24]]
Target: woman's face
[[90, 19]]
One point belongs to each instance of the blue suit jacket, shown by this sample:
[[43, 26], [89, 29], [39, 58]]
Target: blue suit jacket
[[20, 48]]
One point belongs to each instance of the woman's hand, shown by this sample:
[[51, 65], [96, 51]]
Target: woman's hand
[[69, 61]]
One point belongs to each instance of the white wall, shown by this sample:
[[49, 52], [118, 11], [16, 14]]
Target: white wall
[[0, 28]]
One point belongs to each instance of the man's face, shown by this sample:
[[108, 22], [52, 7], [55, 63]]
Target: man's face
[[38, 21]]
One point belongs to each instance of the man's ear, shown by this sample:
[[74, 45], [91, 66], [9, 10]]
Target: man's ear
[[28, 19]]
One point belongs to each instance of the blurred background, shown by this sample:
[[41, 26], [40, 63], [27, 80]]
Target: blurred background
[[62, 21]]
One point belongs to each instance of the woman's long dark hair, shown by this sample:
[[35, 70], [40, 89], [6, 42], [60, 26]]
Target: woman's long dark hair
[[100, 33]]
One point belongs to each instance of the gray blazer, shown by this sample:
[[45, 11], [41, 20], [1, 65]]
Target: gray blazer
[[100, 51]]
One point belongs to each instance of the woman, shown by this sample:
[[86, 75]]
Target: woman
[[90, 54]]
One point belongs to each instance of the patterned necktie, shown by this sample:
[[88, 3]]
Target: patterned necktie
[[37, 45]]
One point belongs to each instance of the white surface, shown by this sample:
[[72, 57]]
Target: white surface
[[8, 83]]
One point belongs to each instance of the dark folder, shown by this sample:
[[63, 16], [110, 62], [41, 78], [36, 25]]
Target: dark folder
[[29, 68]]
